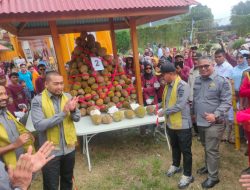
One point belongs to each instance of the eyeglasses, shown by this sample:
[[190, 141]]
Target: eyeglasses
[[203, 66], [239, 57]]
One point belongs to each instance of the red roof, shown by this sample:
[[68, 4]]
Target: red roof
[[43, 6]]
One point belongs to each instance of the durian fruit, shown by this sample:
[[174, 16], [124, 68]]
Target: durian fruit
[[110, 104], [87, 97], [84, 84], [111, 94], [118, 116], [126, 105], [94, 86], [87, 90], [85, 77], [91, 80], [150, 110], [129, 114], [73, 92], [96, 119], [76, 86], [83, 112], [81, 91], [89, 109], [106, 119], [133, 96], [99, 102], [140, 111], [104, 108], [124, 93], [115, 99], [106, 100], [118, 88]]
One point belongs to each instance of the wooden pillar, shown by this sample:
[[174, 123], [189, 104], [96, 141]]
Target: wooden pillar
[[134, 43], [113, 40], [58, 51]]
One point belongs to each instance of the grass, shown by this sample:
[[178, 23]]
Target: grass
[[123, 160]]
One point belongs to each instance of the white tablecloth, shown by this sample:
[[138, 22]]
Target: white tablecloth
[[86, 127]]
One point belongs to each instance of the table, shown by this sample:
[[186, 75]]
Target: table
[[88, 130]]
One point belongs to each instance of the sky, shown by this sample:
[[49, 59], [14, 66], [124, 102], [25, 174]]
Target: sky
[[221, 9]]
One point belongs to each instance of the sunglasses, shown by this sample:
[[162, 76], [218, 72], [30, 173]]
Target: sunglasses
[[41, 69], [203, 66], [148, 68]]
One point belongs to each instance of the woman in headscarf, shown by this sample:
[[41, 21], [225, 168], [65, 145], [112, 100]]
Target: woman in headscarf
[[150, 85], [129, 67], [238, 71]]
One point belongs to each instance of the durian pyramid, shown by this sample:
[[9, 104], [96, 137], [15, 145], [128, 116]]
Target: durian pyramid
[[101, 89]]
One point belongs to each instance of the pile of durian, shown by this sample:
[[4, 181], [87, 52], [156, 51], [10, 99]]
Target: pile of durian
[[98, 89], [119, 115]]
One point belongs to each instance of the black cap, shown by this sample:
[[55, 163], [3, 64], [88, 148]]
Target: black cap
[[167, 68]]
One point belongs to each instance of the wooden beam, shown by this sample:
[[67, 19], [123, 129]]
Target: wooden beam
[[58, 50], [75, 15], [113, 40], [71, 29], [21, 26], [9, 27], [133, 34], [126, 20], [147, 19]]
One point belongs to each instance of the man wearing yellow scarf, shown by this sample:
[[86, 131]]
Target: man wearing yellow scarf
[[14, 137], [176, 109], [53, 115]]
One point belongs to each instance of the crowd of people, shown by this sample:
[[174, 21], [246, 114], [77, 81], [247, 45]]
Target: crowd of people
[[191, 90], [195, 91], [22, 83]]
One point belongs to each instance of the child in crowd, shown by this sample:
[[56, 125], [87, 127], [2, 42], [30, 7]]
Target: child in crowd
[[26, 90]]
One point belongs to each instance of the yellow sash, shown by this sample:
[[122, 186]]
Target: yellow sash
[[9, 157], [53, 134], [174, 119]]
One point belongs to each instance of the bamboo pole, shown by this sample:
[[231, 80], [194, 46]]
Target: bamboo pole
[[113, 40], [236, 126], [58, 50], [133, 33]]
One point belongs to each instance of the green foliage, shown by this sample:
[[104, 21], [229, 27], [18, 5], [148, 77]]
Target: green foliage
[[122, 41], [240, 18], [172, 33], [200, 12], [237, 44]]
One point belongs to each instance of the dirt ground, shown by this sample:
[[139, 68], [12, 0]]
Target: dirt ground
[[123, 160]]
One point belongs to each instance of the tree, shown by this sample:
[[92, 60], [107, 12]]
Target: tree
[[202, 19], [240, 18], [122, 41]]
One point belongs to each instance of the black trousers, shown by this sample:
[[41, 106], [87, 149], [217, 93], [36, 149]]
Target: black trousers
[[60, 168], [181, 142]]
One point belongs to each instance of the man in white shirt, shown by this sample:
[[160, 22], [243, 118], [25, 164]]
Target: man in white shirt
[[222, 67], [225, 69]]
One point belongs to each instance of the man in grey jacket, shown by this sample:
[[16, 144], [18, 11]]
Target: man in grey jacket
[[212, 99], [53, 113]]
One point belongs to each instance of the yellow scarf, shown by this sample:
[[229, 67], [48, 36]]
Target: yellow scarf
[[9, 157], [174, 119], [53, 134]]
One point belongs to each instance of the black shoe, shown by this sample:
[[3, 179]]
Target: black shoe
[[246, 171], [202, 171], [208, 183]]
